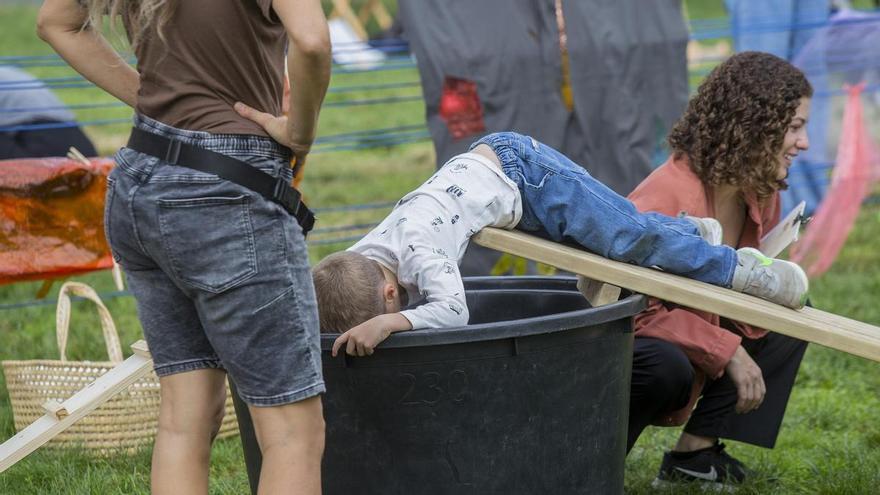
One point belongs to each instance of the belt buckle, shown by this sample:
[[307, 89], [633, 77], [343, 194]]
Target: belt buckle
[[173, 151], [286, 196]]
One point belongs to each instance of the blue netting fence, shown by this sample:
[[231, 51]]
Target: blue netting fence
[[827, 64]]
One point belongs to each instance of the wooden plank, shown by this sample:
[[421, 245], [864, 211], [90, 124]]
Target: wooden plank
[[597, 293], [810, 324], [55, 408], [77, 406], [140, 348]]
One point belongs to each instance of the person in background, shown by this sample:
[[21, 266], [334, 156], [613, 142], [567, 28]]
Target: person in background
[[219, 272], [34, 123]]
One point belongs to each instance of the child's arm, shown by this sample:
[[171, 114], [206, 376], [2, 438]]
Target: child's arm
[[362, 339], [439, 282]]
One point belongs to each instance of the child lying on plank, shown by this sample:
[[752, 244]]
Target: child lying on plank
[[508, 180]]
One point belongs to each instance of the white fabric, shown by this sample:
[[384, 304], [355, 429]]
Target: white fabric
[[424, 238], [349, 50], [36, 102]]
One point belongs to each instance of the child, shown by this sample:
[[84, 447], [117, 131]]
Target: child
[[509, 180]]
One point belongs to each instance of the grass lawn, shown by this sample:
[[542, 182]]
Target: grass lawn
[[830, 437]]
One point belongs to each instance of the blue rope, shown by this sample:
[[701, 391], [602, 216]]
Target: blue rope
[[367, 206], [376, 144], [119, 104], [344, 228], [84, 106], [374, 101], [719, 30], [335, 240], [53, 302], [367, 134], [47, 81], [372, 87], [387, 67], [62, 125], [80, 85]]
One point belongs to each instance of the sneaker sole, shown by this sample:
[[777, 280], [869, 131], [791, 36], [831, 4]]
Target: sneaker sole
[[706, 486], [804, 280], [800, 273]]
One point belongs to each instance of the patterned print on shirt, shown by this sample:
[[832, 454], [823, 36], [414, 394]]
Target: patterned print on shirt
[[456, 191]]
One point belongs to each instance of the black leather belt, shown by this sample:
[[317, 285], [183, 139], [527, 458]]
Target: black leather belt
[[186, 155]]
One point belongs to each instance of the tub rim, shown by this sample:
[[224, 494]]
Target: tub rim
[[568, 320]]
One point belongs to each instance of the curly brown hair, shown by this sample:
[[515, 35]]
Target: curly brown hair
[[733, 129]]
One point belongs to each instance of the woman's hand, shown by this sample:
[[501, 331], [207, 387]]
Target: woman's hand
[[749, 381], [278, 128]]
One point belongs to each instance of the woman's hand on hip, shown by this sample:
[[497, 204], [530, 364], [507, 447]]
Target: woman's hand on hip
[[278, 128]]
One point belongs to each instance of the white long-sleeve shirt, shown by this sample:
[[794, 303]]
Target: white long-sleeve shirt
[[424, 237]]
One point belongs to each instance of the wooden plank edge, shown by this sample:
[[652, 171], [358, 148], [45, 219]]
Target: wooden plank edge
[[140, 348], [807, 324], [89, 398], [596, 292], [55, 408]]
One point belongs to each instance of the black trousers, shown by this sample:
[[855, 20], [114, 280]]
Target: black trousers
[[662, 378], [44, 143]]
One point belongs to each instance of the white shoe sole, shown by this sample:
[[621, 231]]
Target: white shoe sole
[[706, 486], [805, 282]]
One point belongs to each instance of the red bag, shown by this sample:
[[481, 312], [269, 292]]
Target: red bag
[[460, 108]]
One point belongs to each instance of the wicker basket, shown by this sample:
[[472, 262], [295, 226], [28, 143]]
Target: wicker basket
[[124, 423]]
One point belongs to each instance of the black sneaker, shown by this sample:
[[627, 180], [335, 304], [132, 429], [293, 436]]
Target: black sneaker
[[712, 467]]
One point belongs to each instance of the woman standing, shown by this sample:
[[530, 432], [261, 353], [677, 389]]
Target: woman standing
[[219, 271]]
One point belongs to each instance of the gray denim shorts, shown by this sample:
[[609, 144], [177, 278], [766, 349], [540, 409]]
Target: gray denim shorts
[[220, 273]]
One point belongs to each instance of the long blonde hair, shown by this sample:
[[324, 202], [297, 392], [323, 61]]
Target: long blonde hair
[[137, 15]]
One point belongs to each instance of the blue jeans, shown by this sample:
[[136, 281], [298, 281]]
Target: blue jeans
[[560, 199], [220, 273]]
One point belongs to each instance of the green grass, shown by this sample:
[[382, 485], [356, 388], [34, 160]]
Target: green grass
[[830, 440]]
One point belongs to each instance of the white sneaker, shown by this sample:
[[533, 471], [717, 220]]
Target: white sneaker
[[710, 229], [778, 281]]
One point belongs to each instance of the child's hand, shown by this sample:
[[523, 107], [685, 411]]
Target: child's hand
[[362, 339]]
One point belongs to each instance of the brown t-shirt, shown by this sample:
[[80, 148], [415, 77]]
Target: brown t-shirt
[[215, 52]]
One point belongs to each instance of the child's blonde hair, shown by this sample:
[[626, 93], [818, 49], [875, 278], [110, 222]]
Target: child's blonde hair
[[348, 286]]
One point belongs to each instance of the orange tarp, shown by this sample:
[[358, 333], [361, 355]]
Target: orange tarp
[[52, 218]]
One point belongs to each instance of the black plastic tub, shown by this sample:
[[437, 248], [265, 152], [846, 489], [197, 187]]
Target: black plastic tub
[[531, 397]]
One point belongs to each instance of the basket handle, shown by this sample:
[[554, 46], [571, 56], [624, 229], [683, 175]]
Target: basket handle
[[62, 319]]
